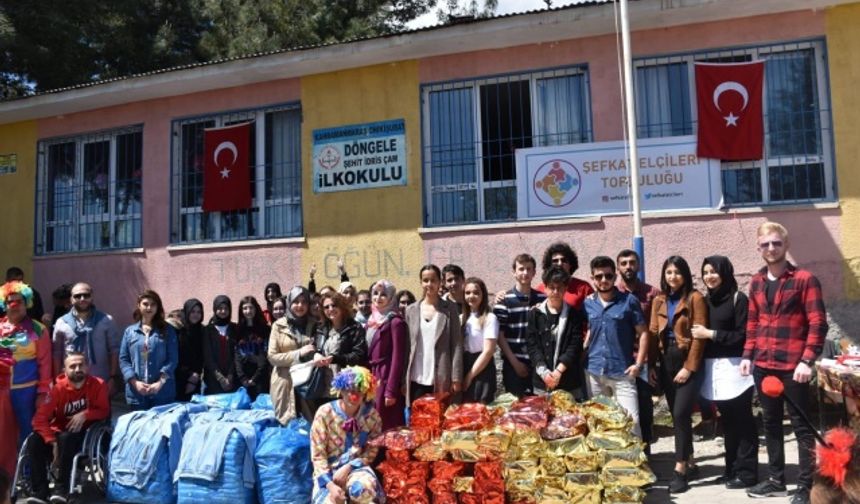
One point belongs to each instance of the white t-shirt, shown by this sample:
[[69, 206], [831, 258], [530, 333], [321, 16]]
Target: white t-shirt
[[475, 335], [424, 362]]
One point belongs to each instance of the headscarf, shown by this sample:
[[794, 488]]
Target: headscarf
[[355, 378], [186, 312], [729, 284], [219, 300], [294, 320], [344, 286], [379, 316]]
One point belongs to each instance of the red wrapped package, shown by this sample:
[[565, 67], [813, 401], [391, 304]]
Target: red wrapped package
[[427, 411], [419, 472], [394, 478], [401, 439], [447, 471], [565, 425], [489, 471], [470, 498], [444, 497], [538, 403], [526, 418], [397, 456], [470, 417], [493, 498]]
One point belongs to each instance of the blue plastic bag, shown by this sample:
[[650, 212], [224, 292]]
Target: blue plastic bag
[[238, 400], [283, 460], [263, 402]]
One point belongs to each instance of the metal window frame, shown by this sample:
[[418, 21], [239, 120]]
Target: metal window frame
[[475, 83], [43, 193], [259, 202], [818, 46]]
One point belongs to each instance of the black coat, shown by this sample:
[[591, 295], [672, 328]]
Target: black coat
[[541, 346], [212, 365]]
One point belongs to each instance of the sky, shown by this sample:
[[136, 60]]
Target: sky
[[505, 7]]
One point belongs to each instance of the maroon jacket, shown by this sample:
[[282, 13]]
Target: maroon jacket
[[389, 350]]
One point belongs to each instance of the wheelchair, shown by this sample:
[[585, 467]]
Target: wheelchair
[[89, 466]]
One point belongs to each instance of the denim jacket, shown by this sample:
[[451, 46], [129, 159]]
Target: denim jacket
[[163, 358]]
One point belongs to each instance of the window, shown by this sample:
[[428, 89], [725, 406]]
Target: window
[[89, 192], [798, 163], [472, 128], [275, 179]]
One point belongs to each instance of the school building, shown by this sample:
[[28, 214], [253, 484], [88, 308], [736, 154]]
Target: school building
[[400, 150]]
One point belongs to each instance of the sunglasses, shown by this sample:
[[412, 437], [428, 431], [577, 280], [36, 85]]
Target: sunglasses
[[82, 295], [604, 276], [767, 244], [329, 307]]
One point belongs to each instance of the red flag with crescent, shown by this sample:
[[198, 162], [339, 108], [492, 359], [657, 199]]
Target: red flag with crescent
[[226, 172], [729, 101]]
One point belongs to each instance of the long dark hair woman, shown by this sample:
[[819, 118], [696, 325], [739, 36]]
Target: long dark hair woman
[[252, 365], [148, 355], [189, 372], [725, 335], [674, 312], [271, 293], [219, 349]]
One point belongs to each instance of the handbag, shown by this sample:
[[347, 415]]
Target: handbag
[[312, 382]]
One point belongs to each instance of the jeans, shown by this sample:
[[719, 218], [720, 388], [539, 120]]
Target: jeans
[[682, 397], [741, 436], [622, 389], [42, 453], [773, 412]]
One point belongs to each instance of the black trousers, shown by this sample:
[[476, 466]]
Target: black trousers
[[417, 390], [741, 438], [644, 390], [773, 412], [682, 397], [42, 453], [513, 383]]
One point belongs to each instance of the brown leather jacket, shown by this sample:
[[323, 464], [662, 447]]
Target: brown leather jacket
[[691, 310]]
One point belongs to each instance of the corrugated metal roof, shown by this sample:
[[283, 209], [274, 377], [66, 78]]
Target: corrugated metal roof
[[439, 26]]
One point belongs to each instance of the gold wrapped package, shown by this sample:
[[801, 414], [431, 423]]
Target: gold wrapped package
[[582, 461], [494, 442], [518, 489], [528, 444], [521, 470], [610, 440], [430, 451], [627, 476], [504, 401], [583, 487], [629, 457], [562, 447], [464, 484], [604, 414], [460, 440], [623, 494], [562, 400], [552, 466], [550, 487]]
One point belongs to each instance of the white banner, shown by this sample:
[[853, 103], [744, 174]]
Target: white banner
[[359, 156], [593, 179]]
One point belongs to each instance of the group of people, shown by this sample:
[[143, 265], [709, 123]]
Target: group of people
[[614, 335]]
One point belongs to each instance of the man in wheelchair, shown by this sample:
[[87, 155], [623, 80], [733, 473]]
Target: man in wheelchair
[[76, 401]]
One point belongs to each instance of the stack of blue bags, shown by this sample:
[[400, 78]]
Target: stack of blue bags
[[217, 449]]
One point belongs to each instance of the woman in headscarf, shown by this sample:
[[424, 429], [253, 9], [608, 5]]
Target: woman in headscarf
[[290, 342], [340, 452], [252, 364], [388, 338], [725, 336], [219, 349], [190, 370], [340, 340], [270, 294]]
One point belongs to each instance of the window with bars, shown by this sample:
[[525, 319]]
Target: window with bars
[[471, 129], [276, 184], [798, 163], [88, 194]]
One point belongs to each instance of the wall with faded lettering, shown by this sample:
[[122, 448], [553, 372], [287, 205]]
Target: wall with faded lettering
[[843, 39], [374, 230], [17, 191]]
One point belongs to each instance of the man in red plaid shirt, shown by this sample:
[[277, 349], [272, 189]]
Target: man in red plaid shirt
[[786, 328]]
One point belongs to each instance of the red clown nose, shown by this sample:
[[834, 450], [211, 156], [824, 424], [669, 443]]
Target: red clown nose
[[354, 397], [15, 303]]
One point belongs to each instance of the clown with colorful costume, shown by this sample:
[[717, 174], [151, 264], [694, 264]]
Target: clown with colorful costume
[[340, 451], [25, 367]]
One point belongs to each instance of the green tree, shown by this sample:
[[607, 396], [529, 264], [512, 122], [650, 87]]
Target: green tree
[[470, 8]]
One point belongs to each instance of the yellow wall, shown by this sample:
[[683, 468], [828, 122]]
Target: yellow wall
[[843, 43], [348, 223], [17, 192]]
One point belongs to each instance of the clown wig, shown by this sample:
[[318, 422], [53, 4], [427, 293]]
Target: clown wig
[[355, 378], [16, 287]]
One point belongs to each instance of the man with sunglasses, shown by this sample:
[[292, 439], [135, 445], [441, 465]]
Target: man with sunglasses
[[91, 332], [615, 323], [786, 328]]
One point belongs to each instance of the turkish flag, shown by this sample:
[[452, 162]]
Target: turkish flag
[[226, 172], [729, 101]]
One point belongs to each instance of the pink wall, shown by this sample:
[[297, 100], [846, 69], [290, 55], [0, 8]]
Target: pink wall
[[488, 254], [176, 275]]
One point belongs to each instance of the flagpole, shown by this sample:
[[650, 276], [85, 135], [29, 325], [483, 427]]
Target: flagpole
[[638, 239]]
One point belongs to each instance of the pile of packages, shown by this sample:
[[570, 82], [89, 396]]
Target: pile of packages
[[535, 450]]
